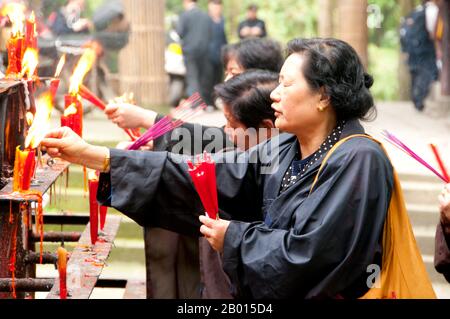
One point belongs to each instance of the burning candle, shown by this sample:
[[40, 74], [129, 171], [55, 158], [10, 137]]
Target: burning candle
[[24, 166], [16, 44], [62, 270], [93, 206], [73, 115], [30, 32], [15, 48], [54, 85]]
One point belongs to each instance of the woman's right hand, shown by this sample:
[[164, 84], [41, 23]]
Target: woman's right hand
[[67, 145], [129, 116], [444, 201]]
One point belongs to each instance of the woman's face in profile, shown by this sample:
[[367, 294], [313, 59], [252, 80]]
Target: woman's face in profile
[[234, 128], [295, 104], [233, 68]]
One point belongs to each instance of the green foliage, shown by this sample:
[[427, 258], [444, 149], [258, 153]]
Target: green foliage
[[383, 67]]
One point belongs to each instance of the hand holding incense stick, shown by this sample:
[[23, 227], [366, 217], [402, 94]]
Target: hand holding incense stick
[[186, 111], [400, 145]]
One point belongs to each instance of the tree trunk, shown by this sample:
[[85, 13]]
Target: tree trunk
[[326, 29], [233, 12], [141, 63], [404, 78], [353, 26]]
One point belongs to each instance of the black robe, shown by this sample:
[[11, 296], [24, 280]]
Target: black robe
[[296, 244]]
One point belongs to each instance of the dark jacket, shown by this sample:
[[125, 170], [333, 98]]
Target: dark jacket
[[442, 253], [195, 30]]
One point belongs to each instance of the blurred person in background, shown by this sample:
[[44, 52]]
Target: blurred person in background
[[252, 27], [68, 19], [195, 30], [218, 41], [417, 43]]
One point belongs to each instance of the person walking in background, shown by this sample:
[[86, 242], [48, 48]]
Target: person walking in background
[[252, 27], [195, 30], [418, 45], [442, 254], [218, 40], [67, 20]]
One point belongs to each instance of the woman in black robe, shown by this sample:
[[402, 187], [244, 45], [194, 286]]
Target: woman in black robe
[[278, 239]]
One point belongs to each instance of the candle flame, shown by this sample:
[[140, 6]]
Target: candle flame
[[92, 176], [30, 62], [71, 110], [44, 107], [60, 66], [32, 17], [16, 13], [84, 65], [30, 118]]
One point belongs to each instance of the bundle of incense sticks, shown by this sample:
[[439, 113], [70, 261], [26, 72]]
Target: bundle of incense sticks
[[203, 175], [184, 112], [391, 138]]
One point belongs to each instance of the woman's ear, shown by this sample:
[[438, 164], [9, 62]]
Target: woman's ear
[[324, 102]]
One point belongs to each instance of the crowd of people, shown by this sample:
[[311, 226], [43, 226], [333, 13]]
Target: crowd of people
[[203, 36]]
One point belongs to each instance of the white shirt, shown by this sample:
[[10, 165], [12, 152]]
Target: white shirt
[[431, 13]]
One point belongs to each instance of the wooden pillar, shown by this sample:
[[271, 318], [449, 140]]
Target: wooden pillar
[[353, 26], [141, 63], [326, 29], [445, 75]]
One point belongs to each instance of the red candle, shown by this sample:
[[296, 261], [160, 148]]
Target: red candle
[[15, 48], [54, 85], [24, 166], [93, 207], [73, 116], [103, 213], [62, 269], [30, 32]]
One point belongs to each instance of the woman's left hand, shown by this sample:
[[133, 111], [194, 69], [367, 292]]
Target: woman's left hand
[[214, 231], [444, 201]]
